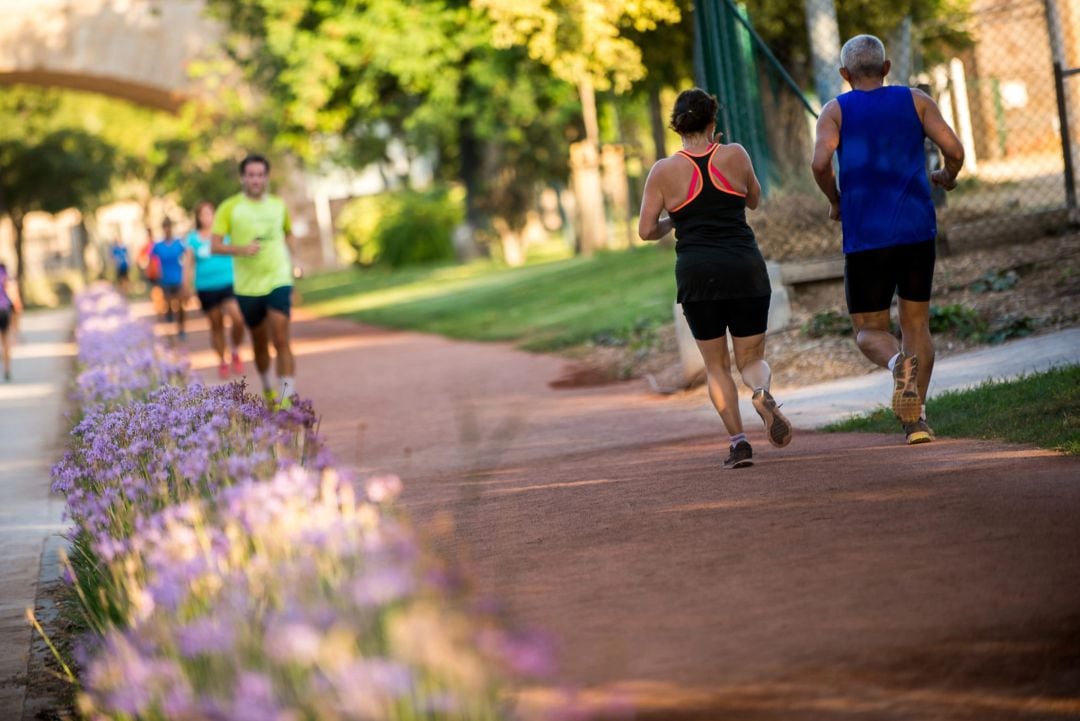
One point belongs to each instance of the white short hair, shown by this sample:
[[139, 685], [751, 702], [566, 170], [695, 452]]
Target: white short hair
[[863, 56]]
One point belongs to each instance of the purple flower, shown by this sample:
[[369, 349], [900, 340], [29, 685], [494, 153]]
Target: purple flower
[[254, 700], [254, 580], [382, 586]]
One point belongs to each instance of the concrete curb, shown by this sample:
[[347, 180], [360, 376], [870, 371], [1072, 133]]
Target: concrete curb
[[819, 405]]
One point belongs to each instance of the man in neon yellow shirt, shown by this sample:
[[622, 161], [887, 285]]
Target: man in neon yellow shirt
[[261, 242]]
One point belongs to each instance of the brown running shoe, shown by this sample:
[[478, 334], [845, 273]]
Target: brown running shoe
[[918, 432], [741, 456], [777, 427], [906, 403]]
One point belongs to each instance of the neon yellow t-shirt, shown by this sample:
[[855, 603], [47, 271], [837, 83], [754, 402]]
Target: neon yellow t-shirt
[[267, 220]]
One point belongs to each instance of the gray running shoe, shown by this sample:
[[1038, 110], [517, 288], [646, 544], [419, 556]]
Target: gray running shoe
[[741, 456], [918, 432], [906, 403], [777, 427]]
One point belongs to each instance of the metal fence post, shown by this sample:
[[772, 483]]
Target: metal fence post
[[1066, 140]]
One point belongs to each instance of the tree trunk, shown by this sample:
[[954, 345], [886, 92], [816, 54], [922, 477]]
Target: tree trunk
[[82, 235], [587, 93], [589, 197], [512, 241], [617, 188], [20, 265], [585, 169], [656, 120], [469, 171], [824, 33]]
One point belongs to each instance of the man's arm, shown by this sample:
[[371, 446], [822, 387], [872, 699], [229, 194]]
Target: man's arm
[[218, 246], [828, 140], [935, 127], [222, 226], [290, 244]]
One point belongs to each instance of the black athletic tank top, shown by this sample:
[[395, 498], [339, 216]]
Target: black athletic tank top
[[717, 256]]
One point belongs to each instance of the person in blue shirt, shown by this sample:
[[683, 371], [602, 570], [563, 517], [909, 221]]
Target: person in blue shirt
[[169, 252], [121, 264], [887, 217], [211, 277]]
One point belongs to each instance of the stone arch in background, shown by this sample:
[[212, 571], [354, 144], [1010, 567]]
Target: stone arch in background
[[137, 50], [141, 51]]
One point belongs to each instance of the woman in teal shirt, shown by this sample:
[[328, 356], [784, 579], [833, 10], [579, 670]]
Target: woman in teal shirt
[[212, 276]]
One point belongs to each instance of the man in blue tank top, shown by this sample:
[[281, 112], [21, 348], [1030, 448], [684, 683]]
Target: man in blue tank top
[[884, 207]]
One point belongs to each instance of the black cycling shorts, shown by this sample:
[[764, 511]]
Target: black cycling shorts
[[255, 307], [709, 319], [872, 277], [5, 320], [210, 299]]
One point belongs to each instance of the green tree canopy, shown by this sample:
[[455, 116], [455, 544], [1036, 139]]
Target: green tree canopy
[[63, 169], [353, 80], [782, 24]]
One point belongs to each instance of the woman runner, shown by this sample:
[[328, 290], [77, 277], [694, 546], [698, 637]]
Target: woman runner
[[212, 278], [722, 282]]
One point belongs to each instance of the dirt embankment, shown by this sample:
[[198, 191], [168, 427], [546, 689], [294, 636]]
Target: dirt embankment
[[1019, 289]]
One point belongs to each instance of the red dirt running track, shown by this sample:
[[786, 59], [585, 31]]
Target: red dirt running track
[[843, 578]]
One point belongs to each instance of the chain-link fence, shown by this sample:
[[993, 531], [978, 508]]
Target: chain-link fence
[[1001, 97], [997, 91], [763, 108]]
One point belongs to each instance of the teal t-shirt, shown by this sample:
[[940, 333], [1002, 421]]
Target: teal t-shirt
[[212, 272]]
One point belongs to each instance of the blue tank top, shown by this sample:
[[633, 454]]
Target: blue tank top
[[884, 188]]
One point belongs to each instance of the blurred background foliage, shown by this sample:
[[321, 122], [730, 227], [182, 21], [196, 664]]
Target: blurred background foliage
[[488, 94]]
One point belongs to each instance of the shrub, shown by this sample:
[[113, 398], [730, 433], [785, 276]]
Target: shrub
[[1006, 328], [826, 323], [958, 319], [969, 325], [403, 228], [995, 281]]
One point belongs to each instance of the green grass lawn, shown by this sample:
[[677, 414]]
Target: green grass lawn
[[543, 306], [1041, 409]]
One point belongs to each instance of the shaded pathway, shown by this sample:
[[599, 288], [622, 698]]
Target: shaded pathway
[[844, 577]]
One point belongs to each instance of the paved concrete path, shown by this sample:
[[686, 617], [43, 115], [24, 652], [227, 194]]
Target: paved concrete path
[[824, 403], [32, 428]]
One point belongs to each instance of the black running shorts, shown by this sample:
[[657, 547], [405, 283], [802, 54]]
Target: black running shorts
[[709, 319], [872, 277], [5, 320], [210, 299], [171, 290], [255, 307]]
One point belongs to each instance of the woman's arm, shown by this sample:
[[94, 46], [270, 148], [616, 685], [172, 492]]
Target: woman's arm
[[188, 281], [14, 297], [753, 187], [650, 225]]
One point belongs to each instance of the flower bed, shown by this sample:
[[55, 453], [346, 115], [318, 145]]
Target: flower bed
[[225, 569]]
